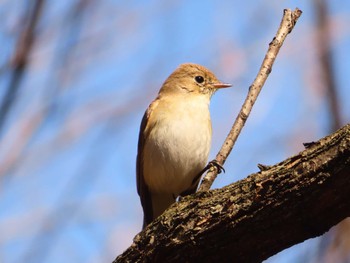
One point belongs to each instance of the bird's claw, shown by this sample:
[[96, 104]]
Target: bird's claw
[[215, 163]]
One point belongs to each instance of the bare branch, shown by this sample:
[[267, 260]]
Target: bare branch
[[287, 24]]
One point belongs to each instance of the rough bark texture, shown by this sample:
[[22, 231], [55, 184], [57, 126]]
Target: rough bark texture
[[252, 219]]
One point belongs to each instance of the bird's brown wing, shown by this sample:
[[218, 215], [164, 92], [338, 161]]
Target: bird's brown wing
[[142, 188]]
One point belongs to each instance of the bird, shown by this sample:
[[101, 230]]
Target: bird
[[175, 139]]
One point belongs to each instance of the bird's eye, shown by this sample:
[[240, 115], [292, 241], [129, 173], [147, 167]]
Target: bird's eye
[[199, 79]]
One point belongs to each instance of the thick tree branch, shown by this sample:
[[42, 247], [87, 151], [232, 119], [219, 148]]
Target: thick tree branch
[[287, 24], [251, 220]]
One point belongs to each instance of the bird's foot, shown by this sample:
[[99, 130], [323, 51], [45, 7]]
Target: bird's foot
[[215, 163]]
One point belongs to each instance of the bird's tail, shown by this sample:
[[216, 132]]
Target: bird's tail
[[160, 202]]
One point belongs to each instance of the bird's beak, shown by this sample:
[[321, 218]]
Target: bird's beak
[[220, 85]]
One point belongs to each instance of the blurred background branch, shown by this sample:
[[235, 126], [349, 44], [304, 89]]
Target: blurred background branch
[[20, 57], [323, 44]]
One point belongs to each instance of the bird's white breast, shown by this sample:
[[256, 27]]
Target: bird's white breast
[[178, 144]]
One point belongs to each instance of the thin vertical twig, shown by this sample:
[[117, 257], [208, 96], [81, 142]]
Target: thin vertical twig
[[287, 24]]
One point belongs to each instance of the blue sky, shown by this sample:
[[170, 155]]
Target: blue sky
[[68, 190]]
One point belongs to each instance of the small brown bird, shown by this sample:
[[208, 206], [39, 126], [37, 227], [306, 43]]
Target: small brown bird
[[175, 138]]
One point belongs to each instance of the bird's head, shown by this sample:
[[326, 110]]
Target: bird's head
[[192, 79]]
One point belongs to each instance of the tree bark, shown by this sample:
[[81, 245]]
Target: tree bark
[[253, 219]]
